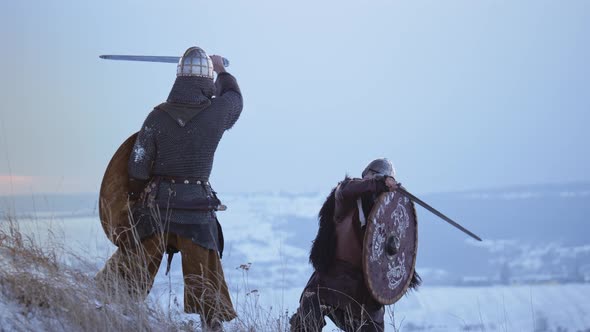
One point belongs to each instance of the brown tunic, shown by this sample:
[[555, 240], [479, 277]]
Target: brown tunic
[[349, 236]]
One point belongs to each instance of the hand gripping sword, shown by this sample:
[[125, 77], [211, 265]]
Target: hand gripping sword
[[436, 212], [150, 58]]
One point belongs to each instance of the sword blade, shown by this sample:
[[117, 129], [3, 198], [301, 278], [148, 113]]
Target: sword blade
[[150, 58], [437, 213], [146, 58]]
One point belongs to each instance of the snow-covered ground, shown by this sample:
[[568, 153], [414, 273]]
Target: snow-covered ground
[[279, 270], [498, 308]]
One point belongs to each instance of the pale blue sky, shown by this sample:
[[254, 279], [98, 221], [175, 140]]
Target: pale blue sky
[[459, 94]]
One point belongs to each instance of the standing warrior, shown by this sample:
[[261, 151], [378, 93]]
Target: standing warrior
[[172, 203], [337, 286]]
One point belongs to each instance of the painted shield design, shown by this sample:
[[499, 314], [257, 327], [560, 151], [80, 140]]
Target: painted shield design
[[112, 206], [390, 247]]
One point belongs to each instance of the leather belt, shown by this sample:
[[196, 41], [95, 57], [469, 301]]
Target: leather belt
[[183, 180]]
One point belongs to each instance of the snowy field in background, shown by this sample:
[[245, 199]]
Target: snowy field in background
[[497, 308]]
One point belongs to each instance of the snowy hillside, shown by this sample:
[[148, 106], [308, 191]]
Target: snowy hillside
[[531, 272]]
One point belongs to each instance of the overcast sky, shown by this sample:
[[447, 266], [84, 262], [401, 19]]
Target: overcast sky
[[458, 94]]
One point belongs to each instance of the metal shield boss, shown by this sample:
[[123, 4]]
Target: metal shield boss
[[112, 206], [390, 247]]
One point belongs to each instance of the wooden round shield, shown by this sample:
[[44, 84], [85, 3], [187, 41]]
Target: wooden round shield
[[390, 247], [112, 206]]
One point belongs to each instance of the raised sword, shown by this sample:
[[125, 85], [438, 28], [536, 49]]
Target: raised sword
[[149, 58]]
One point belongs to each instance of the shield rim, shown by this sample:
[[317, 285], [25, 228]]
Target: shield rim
[[104, 210], [368, 281]]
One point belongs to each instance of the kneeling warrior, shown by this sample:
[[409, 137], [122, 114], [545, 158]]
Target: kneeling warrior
[[173, 204], [337, 286]]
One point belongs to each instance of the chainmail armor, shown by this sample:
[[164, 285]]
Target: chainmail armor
[[183, 90], [169, 145]]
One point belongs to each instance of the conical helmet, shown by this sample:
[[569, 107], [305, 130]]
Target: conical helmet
[[195, 62], [381, 166]]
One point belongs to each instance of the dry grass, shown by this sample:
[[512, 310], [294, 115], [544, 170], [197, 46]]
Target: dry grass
[[252, 316], [51, 296], [40, 292]]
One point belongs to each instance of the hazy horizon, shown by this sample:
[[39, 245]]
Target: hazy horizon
[[514, 187]]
